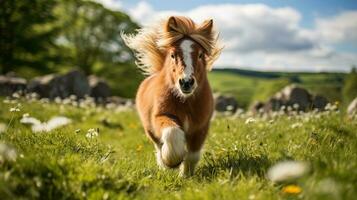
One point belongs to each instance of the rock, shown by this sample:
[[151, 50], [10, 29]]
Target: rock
[[226, 103], [273, 104], [319, 102], [352, 108], [99, 89], [52, 86], [291, 98], [119, 101], [11, 84], [292, 94], [257, 107]]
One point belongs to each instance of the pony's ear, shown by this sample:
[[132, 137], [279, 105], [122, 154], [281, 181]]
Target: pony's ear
[[206, 27], [171, 24]]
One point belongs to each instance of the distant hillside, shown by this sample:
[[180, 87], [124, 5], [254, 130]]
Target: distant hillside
[[248, 86]]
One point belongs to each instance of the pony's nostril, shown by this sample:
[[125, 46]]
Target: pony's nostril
[[191, 81], [186, 84], [181, 82]]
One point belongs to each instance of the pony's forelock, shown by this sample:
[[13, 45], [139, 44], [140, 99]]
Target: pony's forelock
[[150, 43]]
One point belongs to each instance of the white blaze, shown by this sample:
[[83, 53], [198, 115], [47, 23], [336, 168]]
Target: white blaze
[[186, 47]]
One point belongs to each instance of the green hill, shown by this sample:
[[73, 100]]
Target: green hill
[[249, 86]]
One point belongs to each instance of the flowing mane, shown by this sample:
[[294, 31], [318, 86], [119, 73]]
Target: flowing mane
[[150, 43]]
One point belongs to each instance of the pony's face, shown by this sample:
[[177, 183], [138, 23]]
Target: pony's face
[[187, 66]]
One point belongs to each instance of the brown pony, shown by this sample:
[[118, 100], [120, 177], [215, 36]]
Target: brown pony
[[175, 101]]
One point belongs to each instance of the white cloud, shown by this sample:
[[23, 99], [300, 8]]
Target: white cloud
[[111, 4], [340, 28], [265, 38]]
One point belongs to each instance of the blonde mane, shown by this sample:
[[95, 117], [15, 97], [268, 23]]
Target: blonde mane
[[150, 43]]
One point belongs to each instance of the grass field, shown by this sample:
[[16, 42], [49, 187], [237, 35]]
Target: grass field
[[119, 163]]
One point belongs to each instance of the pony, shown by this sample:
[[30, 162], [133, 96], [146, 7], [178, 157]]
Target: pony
[[175, 102]]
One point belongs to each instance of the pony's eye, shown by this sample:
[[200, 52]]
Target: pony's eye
[[173, 56], [200, 56]]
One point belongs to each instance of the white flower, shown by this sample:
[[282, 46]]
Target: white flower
[[29, 120], [92, 133], [2, 127], [38, 126], [7, 153], [296, 125], [16, 95], [296, 106], [15, 109], [52, 124], [25, 115], [229, 107], [287, 170], [250, 120]]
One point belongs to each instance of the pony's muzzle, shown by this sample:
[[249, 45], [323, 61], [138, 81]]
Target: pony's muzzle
[[186, 85]]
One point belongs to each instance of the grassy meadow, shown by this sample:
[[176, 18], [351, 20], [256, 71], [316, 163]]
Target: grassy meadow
[[119, 163]]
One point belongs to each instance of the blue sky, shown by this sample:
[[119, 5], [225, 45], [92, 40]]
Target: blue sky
[[270, 35], [309, 8]]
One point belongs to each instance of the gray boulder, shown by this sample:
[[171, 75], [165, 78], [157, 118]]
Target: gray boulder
[[226, 103], [319, 102], [11, 84], [99, 89], [51, 86], [292, 96]]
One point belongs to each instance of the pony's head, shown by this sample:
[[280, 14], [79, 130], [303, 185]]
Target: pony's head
[[180, 48]]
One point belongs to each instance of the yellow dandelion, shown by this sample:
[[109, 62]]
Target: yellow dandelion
[[292, 189], [139, 148], [132, 125]]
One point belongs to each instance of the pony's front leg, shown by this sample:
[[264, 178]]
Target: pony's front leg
[[173, 143], [194, 145], [189, 164]]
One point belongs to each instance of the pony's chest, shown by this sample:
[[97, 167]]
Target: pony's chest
[[195, 118]]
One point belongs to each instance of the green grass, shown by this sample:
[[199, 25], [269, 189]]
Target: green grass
[[120, 162]]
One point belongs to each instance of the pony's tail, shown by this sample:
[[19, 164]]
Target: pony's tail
[[148, 56], [173, 150]]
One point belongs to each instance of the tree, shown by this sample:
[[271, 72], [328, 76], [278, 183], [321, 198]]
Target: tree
[[350, 86], [91, 35], [25, 36]]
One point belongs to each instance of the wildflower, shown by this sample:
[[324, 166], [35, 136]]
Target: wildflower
[[250, 120], [29, 120], [92, 133], [7, 153], [2, 127], [7, 101], [251, 196], [38, 126], [16, 95], [292, 189], [296, 106], [25, 115], [58, 100], [296, 125], [52, 124], [229, 108], [15, 109], [139, 148], [287, 170]]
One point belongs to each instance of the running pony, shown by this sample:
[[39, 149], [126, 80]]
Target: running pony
[[175, 101]]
